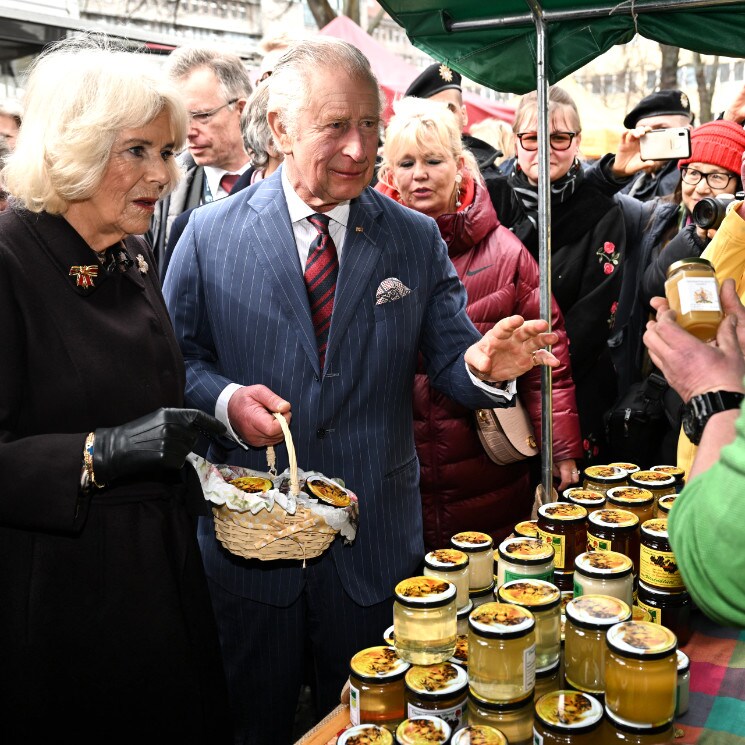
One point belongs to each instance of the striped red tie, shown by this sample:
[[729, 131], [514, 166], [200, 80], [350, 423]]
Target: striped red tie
[[321, 271], [228, 181]]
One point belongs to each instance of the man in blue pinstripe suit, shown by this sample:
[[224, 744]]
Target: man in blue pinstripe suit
[[238, 299]]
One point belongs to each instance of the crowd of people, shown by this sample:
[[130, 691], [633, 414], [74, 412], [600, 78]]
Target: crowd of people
[[185, 253]]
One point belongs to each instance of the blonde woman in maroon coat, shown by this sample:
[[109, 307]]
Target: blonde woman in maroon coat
[[426, 168]]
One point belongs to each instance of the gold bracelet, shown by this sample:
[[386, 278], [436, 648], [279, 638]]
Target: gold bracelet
[[88, 459]]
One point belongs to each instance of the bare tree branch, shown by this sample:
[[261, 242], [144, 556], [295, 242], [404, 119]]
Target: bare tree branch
[[669, 67], [322, 12], [377, 18]]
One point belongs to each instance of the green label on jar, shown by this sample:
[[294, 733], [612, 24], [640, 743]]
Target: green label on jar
[[557, 541], [509, 575], [655, 614], [598, 544]]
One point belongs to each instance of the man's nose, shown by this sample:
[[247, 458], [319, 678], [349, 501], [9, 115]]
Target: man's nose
[[354, 145]]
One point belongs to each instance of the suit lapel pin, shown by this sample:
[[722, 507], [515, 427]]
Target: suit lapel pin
[[359, 229], [142, 265], [84, 275]]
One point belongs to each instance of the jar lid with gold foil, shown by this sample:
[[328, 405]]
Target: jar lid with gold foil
[[527, 529], [526, 702], [614, 519], [501, 620], [365, 734], [628, 467], [641, 640], [472, 541], [587, 498], [597, 611], [378, 663], [569, 712], [656, 528], [633, 496], [605, 474], [639, 614], [608, 564], [535, 594], [479, 734], [652, 480], [446, 560], [525, 551], [564, 511], [425, 592], [665, 502], [437, 681], [460, 656], [676, 471], [423, 730], [695, 260], [388, 636]]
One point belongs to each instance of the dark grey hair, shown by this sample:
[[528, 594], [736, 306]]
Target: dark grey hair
[[228, 68], [257, 135]]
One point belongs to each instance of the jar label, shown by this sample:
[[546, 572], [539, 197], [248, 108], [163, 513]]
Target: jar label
[[698, 293], [598, 544], [537, 737], [509, 575], [558, 543], [354, 705], [655, 614], [529, 668], [659, 569], [453, 715]]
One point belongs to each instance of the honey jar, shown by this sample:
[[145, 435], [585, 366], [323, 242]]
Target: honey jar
[[624, 733], [514, 720], [676, 471], [628, 467], [369, 734], [479, 734], [604, 573], [657, 565], [683, 692], [501, 652], [462, 616], [480, 550], [451, 565], [588, 618], [567, 718], [658, 482], [670, 609], [563, 526], [634, 499], [376, 687], [524, 558], [664, 504], [564, 581], [692, 291], [542, 599], [547, 679], [424, 620], [526, 529], [602, 478], [641, 673], [460, 656], [484, 595], [437, 690], [587, 498], [614, 530], [423, 730]]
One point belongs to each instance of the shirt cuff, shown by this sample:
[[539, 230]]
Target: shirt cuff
[[221, 412], [506, 389]]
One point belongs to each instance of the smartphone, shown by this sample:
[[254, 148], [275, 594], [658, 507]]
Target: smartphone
[[673, 143]]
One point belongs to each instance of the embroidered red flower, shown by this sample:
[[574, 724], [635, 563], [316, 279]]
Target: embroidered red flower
[[614, 307], [609, 247], [608, 268], [608, 257]]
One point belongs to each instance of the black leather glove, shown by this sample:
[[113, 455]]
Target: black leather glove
[[162, 439]]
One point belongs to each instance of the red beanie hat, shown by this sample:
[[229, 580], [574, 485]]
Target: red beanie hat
[[720, 143]]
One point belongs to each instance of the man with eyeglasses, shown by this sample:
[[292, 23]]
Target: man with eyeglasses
[[215, 86]]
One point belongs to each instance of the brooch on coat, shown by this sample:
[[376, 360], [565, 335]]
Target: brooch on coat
[[142, 265], [84, 275]]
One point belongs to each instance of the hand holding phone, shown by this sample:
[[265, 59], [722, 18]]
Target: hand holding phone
[[673, 143]]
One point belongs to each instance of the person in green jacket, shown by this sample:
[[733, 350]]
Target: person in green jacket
[[707, 523]]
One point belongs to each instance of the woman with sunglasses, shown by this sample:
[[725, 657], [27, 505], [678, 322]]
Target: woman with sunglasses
[[588, 237]]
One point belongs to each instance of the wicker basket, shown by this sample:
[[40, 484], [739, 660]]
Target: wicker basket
[[274, 534]]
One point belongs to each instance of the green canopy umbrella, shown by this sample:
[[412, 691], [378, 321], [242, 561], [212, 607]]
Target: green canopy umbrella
[[525, 45]]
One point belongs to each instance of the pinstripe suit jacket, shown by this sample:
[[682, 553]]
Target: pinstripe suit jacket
[[237, 297]]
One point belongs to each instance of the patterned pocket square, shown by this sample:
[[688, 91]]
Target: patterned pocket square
[[391, 289]]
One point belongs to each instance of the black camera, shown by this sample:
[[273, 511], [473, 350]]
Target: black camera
[[709, 212]]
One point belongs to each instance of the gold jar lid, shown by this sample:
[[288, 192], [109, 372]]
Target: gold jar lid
[[327, 491], [666, 501], [564, 511], [423, 730], [378, 663], [471, 541], [423, 592], [603, 564], [631, 495], [628, 467], [479, 734], [641, 640], [597, 611], [585, 497], [252, 484], [527, 529], [460, 656], [657, 527], [501, 620], [536, 594], [365, 734], [525, 551], [614, 519], [446, 560], [437, 681], [693, 261], [639, 614], [605, 474], [676, 471], [569, 712], [652, 479]]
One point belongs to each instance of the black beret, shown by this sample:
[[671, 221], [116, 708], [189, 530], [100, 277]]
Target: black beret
[[659, 103], [435, 78]]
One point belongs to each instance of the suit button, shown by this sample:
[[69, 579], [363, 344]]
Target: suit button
[[320, 433]]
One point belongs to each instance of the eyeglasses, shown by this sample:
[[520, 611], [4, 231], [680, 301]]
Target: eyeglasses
[[202, 117], [715, 179], [558, 140]]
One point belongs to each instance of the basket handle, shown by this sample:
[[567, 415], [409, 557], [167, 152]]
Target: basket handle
[[271, 457]]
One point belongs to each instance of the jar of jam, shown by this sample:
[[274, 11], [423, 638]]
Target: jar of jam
[[683, 692], [524, 558], [484, 595], [602, 478], [480, 550], [563, 526], [526, 529], [567, 718], [588, 618], [657, 565], [423, 730], [462, 615], [369, 734], [452, 566], [634, 499], [424, 620], [587, 498], [514, 720], [460, 656], [480, 734], [437, 690], [376, 687], [692, 291], [624, 733], [614, 530], [547, 679], [675, 471], [641, 673], [628, 467], [604, 573], [664, 504], [658, 482], [501, 652], [669, 609], [542, 599]]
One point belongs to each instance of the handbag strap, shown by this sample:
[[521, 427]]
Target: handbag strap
[[271, 456]]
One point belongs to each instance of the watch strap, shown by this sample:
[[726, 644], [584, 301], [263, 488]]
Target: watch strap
[[701, 408]]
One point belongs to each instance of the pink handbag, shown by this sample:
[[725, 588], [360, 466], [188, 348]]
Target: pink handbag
[[506, 434]]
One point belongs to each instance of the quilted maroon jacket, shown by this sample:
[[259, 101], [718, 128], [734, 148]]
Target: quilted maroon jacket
[[461, 488]]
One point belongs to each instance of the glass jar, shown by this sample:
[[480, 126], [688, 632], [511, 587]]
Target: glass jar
[[526, 529], [676, 471], [424, 620], [450, 565], [628, 467], [623, 733], [376, 687], [437, 690], [563, 526], [634, 499], [388, 636], [588, 618], [602, 478], [369, 734], [501, 652], [664, 504], [480, 550], [480, 734], [567, 718], [542, 599], [692, 291], [604, 573], [514, 720], [640, 614], [423, 730], [658, 482], [587, 498], [524, 558], [641, 673], [462, 616], [484, 595], [683, 690], [657, 565], [614, 530], [547, 679], [564, 581], [460, 656], [669, 609]]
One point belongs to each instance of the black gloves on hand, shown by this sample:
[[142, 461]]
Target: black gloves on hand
[[162, 439]]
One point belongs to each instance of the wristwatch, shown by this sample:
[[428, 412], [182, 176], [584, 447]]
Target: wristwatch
[[698, 411]]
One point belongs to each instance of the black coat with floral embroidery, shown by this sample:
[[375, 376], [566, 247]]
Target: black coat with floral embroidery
[[588, 237]]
